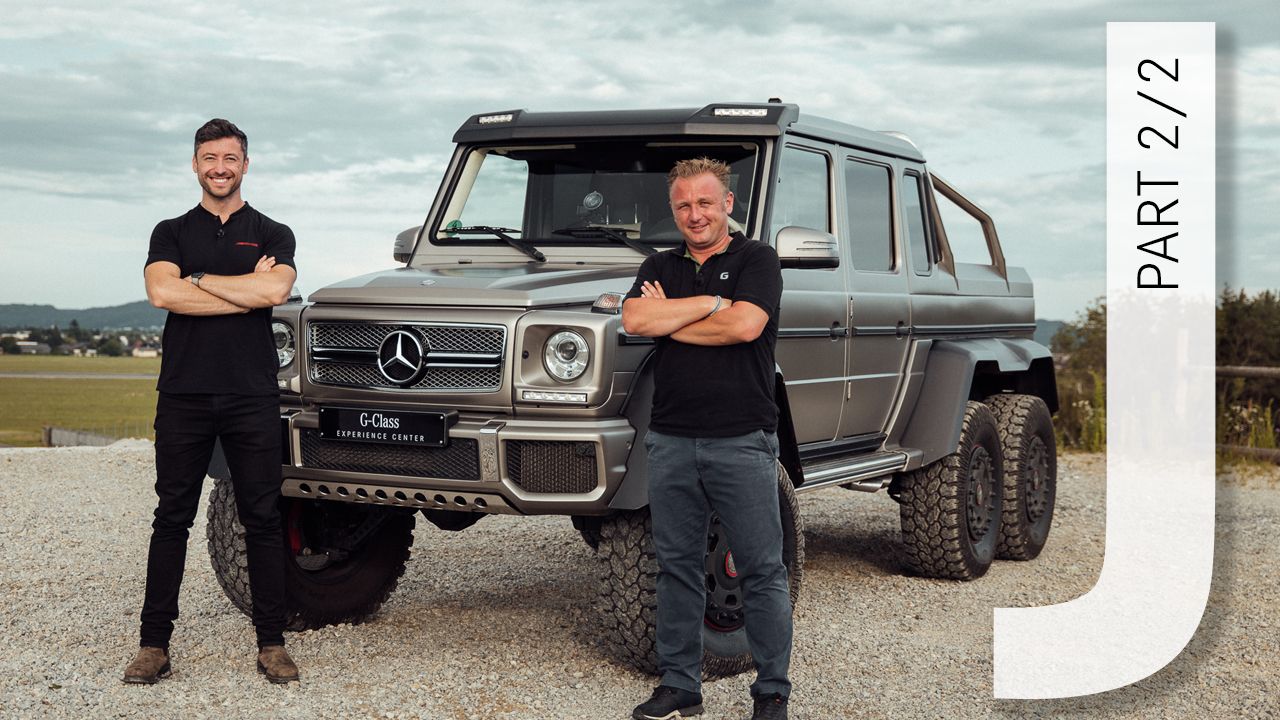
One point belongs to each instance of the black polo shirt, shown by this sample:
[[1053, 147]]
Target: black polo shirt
[[720, 391], [222, 354]]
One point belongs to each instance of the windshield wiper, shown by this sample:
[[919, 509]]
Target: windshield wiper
[[605, 231], [501, 234]]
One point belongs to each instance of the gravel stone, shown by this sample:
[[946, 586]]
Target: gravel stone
[[497, 622]]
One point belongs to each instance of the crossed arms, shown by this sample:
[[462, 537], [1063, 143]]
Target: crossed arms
[[653, 314], [268, 285]]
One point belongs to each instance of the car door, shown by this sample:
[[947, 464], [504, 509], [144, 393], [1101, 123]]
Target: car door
[[879, 307], [813, 318]]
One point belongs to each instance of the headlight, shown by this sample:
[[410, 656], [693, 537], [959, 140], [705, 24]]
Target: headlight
[[283, 335], [565, 355]]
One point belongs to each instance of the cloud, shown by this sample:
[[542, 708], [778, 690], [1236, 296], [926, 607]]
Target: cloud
[[350, 108]]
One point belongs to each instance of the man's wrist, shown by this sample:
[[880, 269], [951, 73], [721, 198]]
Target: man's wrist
[[195, 278], [716, 308]]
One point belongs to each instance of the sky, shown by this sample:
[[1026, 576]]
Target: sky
[[350, 109]]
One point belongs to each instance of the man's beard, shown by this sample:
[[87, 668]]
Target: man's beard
[[220, 192]]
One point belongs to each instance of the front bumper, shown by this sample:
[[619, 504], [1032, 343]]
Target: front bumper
[[492, 464]]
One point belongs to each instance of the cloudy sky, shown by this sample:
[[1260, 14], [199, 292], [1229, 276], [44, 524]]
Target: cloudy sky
[[350, 108]]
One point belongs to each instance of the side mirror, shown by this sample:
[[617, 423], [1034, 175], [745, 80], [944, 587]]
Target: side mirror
[[405, 243], [800, 247]]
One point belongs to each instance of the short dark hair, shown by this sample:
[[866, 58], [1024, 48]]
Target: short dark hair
[[216, 129]]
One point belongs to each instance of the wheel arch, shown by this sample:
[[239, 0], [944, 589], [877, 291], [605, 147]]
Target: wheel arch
[[957, 371]]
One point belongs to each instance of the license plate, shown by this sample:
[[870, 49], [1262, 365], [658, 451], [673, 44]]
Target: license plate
[[397, 427]]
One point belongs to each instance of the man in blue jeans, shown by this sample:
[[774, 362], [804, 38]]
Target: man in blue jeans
[[712, 306]]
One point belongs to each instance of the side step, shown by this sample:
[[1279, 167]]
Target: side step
[[868, 473]]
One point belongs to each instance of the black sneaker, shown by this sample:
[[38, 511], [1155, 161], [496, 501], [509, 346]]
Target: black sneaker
[[668, 703], [770, 707]]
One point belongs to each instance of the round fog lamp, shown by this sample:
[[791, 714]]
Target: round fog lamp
[[565, 355], [283, 335]]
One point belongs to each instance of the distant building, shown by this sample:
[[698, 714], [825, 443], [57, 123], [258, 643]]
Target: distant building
[[31, 347], [145, 352]]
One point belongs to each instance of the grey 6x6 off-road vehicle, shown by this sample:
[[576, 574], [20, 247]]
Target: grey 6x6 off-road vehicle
[[491, 374]]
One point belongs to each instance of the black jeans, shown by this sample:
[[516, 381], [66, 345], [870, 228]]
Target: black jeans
[[186, 428]]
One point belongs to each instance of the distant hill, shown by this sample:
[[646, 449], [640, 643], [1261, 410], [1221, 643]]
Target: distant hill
[[139, 315], [1046, 329]]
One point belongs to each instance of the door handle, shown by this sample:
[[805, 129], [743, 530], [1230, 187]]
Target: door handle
[[902, 329], [838, 332]]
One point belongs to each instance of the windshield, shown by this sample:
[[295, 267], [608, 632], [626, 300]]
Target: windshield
[[588, 193]]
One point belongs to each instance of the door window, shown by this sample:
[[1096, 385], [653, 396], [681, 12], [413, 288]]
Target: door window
[[870, 231], [913, 208], [802, 196]]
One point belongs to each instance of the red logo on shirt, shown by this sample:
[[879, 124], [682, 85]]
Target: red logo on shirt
[[248, 243]]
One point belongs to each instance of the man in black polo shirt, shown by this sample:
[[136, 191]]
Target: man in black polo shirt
[[218, 270], [712, 305]]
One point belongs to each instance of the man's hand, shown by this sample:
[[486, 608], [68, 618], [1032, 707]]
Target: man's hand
[[168, 290], [652, 290], [653, 314], [741, 322], [267, 286]]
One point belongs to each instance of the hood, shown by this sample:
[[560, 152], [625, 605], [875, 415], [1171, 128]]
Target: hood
[[526, 285]]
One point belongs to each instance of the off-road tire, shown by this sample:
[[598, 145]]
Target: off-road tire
[[1030, 473], [628, 596], [227, 554], [350, 592], [938, 503]]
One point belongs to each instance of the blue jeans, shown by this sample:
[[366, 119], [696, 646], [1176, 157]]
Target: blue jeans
[[737, 478]]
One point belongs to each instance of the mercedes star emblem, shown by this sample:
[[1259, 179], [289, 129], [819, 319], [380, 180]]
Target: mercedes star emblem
[[400, 357]]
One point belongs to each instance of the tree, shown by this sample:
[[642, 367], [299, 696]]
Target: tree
[[1082, 397], [111, 347], [1084, 340], [9, 345]]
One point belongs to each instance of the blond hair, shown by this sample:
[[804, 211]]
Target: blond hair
[[697, 166]]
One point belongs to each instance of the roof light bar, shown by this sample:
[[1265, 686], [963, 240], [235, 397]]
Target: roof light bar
[[490, 119], [740, 112]]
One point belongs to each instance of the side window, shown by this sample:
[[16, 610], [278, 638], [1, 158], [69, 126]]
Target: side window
[[801, 197], [913, 215], [870, 227], [964, 233]]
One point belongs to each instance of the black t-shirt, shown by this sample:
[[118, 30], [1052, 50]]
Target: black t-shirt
[[716, 391], [220, 354]]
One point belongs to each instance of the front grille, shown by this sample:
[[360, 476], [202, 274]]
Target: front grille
[[552, 467], [345, 354], [451, 378], [458, 461]]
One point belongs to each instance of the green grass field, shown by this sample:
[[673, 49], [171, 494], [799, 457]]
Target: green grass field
[[123, 408], [67, 363]]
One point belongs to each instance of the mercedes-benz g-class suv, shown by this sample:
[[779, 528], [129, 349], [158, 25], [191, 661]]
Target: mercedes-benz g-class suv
[[490, 372]]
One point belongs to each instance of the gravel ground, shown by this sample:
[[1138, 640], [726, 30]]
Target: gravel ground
[[495, 622]]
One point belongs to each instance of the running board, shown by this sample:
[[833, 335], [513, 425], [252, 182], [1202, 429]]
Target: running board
[[868, 473]]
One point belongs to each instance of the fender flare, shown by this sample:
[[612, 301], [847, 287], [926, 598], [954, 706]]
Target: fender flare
[[957, 371], [633, 491]]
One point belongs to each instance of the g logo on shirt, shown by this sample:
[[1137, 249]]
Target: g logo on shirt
[[724, 275]]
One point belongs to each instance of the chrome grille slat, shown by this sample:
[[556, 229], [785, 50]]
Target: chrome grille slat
[[335, 360]]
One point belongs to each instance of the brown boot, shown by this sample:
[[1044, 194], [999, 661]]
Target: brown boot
[[148, 666], [275, 663]]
